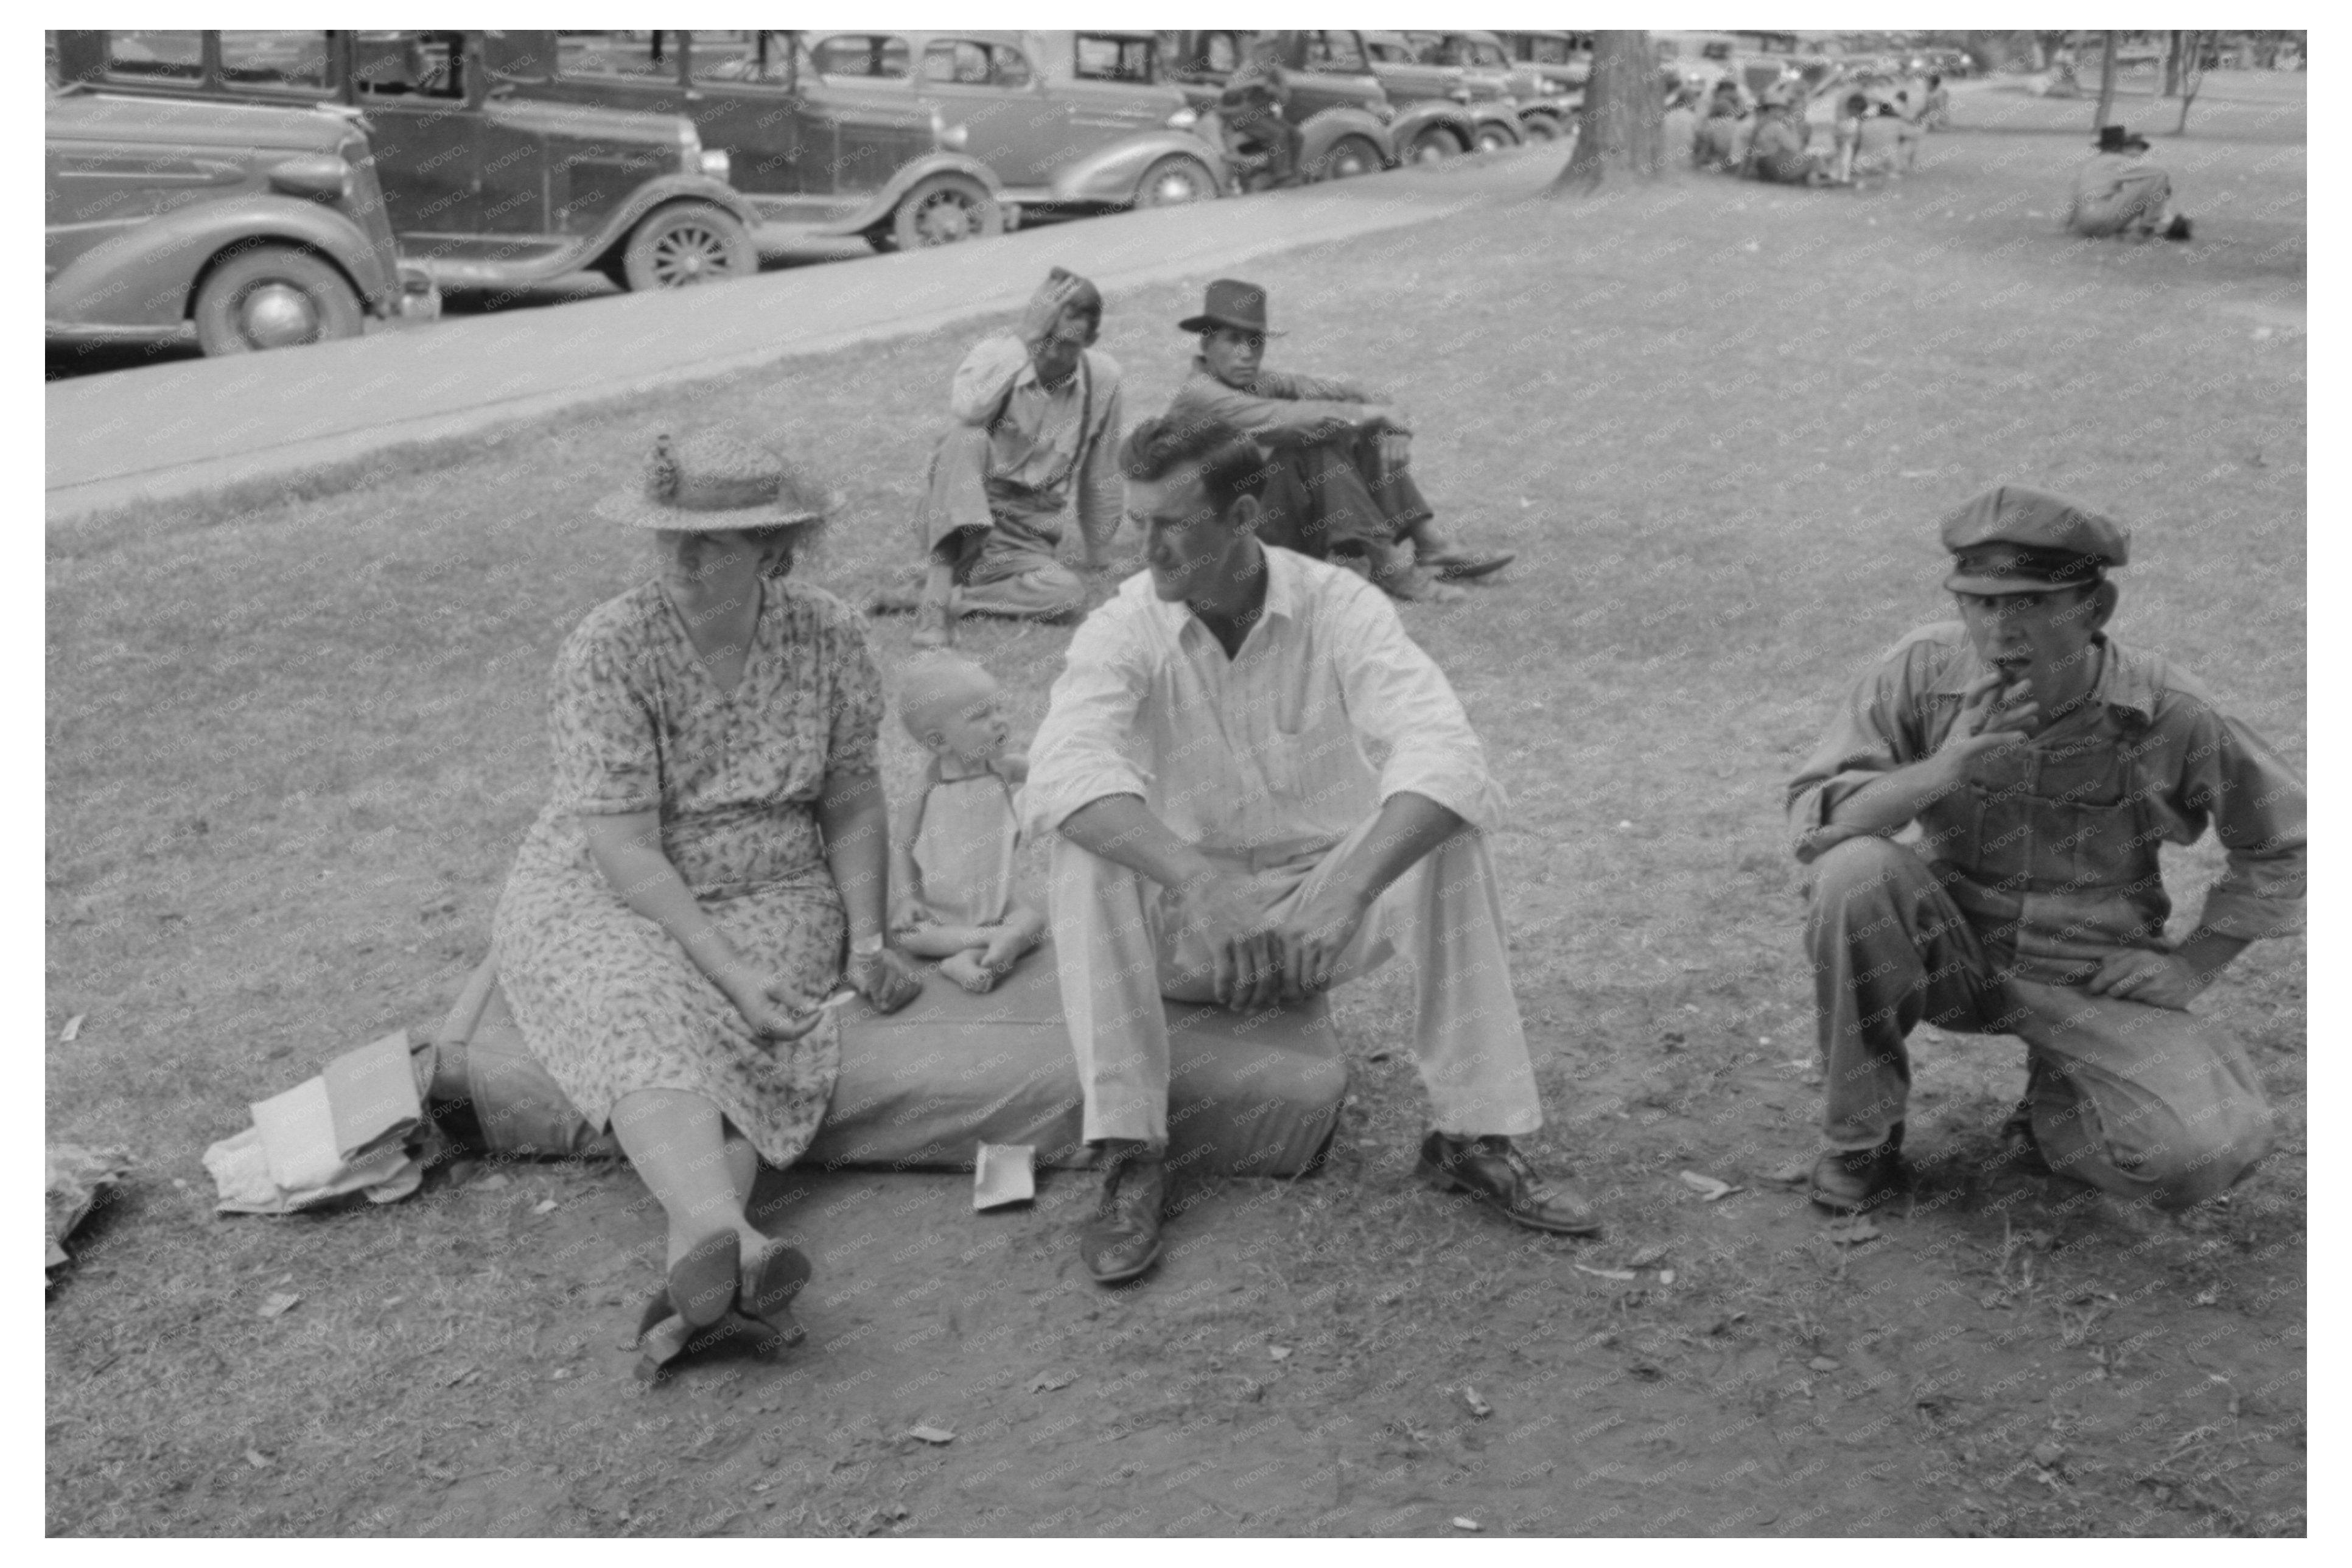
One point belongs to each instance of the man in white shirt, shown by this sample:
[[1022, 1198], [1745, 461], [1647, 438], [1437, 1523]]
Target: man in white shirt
[[1036, 437], [1218, 834]]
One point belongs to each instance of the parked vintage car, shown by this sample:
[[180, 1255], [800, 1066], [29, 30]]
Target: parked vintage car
[[488, 184], [1440, 111], [1344, 119], [1545, 104], [1561, 59], [809, 157], [242, 227], [1068, 122]]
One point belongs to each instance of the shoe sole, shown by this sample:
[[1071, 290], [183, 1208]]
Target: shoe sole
[[1473, 572], [1121, 1277], [1833, 1204], [703, 1283], [1453, 1184]]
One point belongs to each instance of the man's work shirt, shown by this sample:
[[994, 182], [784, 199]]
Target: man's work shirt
[[2112, 186], [1277, 410], [2050, 847], [1777, 151], [1264, 749], [1044, 444]]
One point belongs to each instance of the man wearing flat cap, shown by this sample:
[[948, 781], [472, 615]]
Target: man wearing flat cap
[[1037, 427], [1336, 485], [2044, 763], [2120, 192]]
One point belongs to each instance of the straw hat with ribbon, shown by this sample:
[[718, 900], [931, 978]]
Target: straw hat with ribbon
[[714, 480]]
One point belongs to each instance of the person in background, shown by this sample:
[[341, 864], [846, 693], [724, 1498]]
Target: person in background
[[1721, 142], [1335, 455], [1937, 113], [2118, 191], [1037, 423]]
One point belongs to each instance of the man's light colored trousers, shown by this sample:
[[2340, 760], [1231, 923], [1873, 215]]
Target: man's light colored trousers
[[1120, 954]]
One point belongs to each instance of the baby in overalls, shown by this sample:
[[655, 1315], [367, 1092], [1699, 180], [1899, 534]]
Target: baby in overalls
[[951, 850]]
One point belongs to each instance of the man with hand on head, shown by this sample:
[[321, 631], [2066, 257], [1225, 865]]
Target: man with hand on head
[[2044, 763], [1218, 835], [1038, 428]]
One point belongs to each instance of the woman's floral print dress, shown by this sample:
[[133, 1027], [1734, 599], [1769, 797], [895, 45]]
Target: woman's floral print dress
[[607, 1000]]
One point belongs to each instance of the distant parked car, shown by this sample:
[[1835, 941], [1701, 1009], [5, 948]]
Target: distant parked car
[[1068, 122], [1440, 111], [1346, 123], [1545, 104], [241, 227], [810, 158], [487, 182]]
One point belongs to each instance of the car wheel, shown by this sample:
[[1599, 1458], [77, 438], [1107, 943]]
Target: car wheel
[[1175, 181], [1434, 146], [1348, 157], [945, 209], [690, 243], [1539, 128], [1494, 136], [274, 297]]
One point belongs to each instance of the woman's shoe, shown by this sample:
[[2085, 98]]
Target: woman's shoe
[[700, 1291], [768, 1285]]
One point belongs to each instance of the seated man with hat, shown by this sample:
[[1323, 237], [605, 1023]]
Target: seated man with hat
[[1776, 150], [2043, 763], [1336, 483], [2120, 192], [1036, 435]]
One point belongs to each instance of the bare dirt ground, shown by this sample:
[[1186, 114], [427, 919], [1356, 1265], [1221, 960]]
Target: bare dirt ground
[[289, 751]]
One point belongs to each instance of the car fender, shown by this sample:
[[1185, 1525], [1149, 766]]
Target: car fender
[[1326, 126], [146, 276], [1112, 173], [1496, 114], [1413, 118], [660, 192]]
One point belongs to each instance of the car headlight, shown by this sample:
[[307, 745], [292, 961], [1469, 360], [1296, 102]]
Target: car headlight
[[317, 177], [1185, 119], [715, 163], [955, 136]]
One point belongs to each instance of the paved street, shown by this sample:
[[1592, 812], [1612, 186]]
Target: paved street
[[183, 429]]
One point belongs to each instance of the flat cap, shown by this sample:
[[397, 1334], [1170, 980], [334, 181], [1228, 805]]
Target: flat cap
[[2013, 540]]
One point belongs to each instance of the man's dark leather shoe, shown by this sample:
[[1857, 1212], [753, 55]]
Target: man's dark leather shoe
[[1492, 1170], [1122, 1240], [1851, 1180], [1461, 565]]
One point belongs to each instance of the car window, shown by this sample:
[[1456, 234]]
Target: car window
[[1102, 59], [1334, 51], [956, 60], [1220, 52], [148, 52], [1489, 54], [861, 54], [390, 64], [607, 55], [739, 57], [274, 59], [1007, 66]]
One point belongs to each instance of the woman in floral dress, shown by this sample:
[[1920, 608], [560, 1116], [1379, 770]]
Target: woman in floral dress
[[678, 912]]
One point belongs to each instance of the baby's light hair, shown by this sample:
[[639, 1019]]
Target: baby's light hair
[[938, 687]]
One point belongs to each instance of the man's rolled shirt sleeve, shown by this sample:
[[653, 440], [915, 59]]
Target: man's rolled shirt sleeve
[[1396, 694], [1868, 738], [2256, 804], [1102, 495], [1078, 757], [985, 377]]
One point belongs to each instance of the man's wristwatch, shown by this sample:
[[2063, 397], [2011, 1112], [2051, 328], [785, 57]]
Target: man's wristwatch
[[867, 946]]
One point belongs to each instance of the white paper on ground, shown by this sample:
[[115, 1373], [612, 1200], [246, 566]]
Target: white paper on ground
[[1002, 1173]]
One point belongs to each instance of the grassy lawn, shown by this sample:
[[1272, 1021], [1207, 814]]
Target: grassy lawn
[[291, 752]]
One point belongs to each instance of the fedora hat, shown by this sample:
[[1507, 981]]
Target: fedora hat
[[2116, 139], [713, 480], [1230, 302]]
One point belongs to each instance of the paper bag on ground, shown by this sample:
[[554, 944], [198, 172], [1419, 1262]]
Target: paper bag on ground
[[1002, 1174]]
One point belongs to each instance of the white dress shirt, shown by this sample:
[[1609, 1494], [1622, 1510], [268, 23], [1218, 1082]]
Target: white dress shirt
[[1266, 747]]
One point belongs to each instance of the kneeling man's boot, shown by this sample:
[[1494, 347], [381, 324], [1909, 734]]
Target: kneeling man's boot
[[1852, 1181], [1122, 1240], [1492, 1170]]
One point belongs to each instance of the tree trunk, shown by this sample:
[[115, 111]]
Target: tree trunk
[[2171, 64], [2192, 76], [1623, 117], [2106, 80]]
